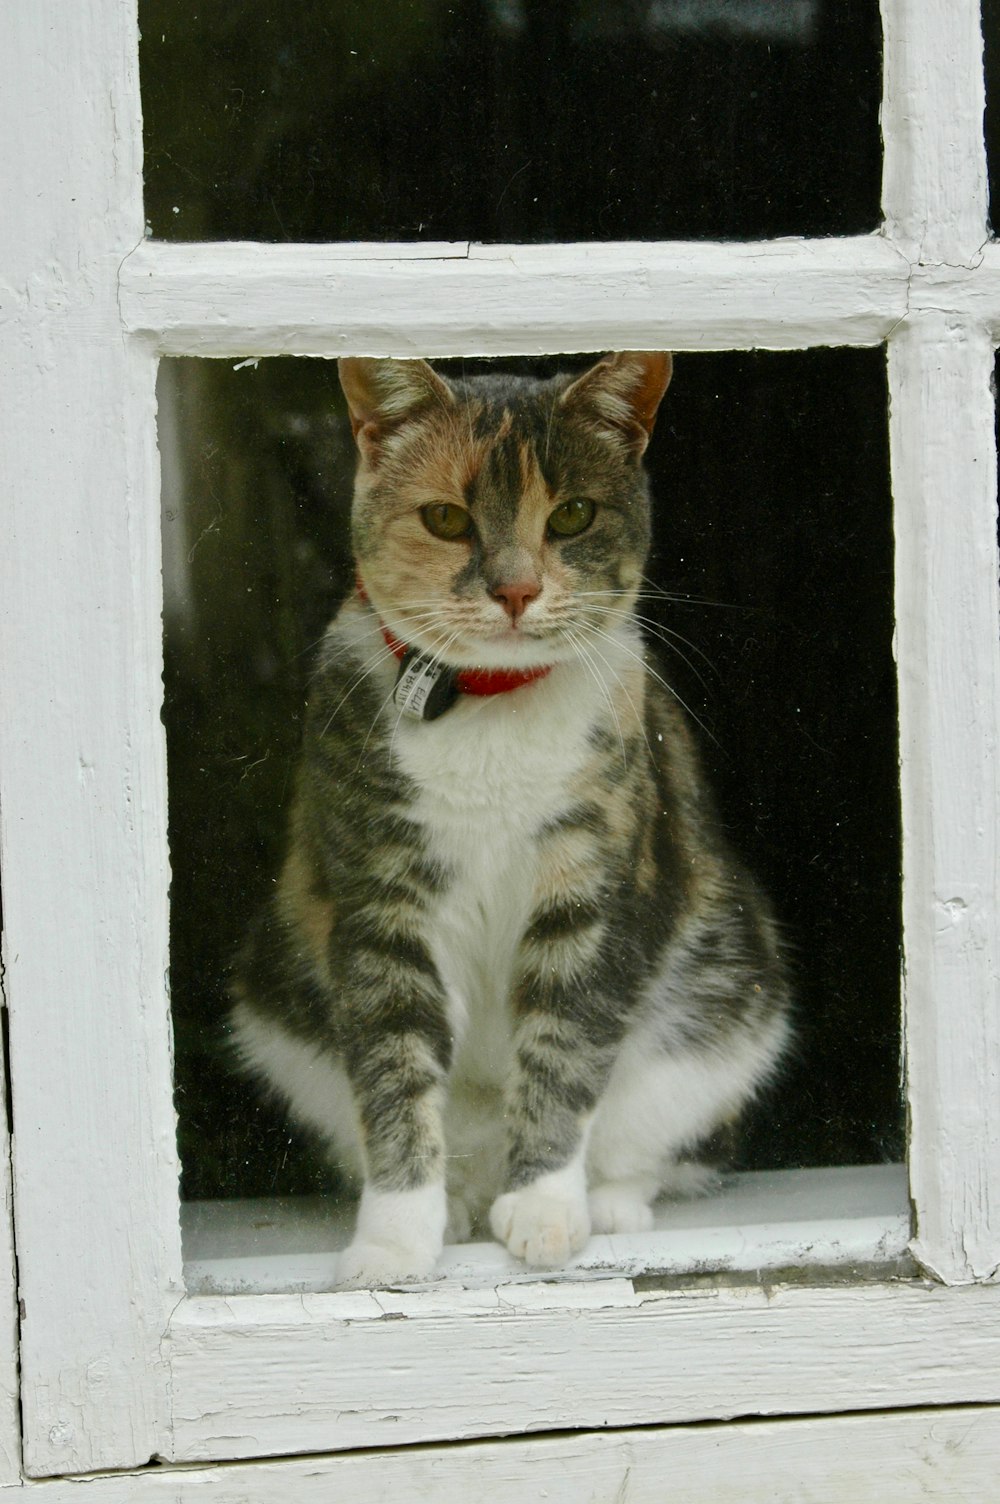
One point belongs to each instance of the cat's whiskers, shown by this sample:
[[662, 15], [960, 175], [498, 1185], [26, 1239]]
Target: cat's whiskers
[[371, 664], [378, 715], [309, 648], [588, 663], [374, 722], [675, 597], [407, 625], [599, 631], [656, 592], [443, 627], [368, 668], [657, 629], [665, 635], [548, 428], [639, 719]]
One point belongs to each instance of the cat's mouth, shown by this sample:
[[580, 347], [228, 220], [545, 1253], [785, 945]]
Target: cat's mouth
[[511, 646], [506, 647], [475, 638]]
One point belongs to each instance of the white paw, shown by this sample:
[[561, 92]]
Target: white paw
[[541, 1226], [617, 1206], [364, 1265], [397, 1238]]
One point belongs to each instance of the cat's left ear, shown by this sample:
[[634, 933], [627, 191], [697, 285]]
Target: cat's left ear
[[384, 394], [624, 391]]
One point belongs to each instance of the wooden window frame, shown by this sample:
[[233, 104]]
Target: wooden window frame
[[118, 1364]]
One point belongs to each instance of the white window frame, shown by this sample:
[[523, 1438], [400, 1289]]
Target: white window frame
[[118, 1364]]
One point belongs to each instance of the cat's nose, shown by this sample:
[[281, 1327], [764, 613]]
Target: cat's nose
[[515, 597]]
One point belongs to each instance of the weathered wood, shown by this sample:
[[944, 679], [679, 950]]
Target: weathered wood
[[230, 299], [265, 1374], [81, 749], [947, 1455], [934, 186], [944, 473]]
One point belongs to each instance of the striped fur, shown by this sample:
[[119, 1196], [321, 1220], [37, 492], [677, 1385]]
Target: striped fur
[[511, 971]]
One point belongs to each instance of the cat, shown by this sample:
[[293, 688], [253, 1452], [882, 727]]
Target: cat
[[511, 971]]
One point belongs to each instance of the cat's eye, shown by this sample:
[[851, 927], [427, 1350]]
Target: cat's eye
[[571, 517], [445, 520]]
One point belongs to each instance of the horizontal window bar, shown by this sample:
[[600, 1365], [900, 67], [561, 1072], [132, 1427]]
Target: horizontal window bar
[[232, 298]]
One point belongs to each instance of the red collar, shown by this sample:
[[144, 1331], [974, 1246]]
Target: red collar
[[470, 681]]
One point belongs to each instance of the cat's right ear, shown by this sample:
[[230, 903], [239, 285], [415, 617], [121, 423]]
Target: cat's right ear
[[384, 394]]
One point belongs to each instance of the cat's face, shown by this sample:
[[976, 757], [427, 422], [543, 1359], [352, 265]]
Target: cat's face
[[502, 521]]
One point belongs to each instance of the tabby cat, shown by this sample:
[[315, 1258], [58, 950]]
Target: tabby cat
[[511, 972]]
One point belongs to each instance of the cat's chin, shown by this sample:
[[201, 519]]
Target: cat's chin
[[511, 652], [514, 650]]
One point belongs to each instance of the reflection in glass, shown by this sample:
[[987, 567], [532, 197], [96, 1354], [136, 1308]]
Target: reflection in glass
[[773, 540], [511, 120]]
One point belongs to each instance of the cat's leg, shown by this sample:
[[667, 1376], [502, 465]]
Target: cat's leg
[[398, 1236], [381, 1122], [361, 1050], [397, 1073], [569, 1022], [396, 1047]]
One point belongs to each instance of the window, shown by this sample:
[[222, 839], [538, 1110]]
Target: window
[[119, 1363], [773, 519]]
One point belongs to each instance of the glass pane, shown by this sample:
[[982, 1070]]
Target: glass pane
[[511, 120], [770, 601]]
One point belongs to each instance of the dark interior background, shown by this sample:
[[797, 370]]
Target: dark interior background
[[773, 526], [511, 120]]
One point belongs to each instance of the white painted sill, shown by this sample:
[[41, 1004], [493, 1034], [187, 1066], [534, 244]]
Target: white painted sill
[[849, 1217]]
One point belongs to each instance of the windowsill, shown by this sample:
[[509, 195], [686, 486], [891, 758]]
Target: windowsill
[[842, 1217]]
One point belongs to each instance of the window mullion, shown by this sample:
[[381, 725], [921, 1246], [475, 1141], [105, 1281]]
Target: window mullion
[[944, 486], [81, 752], [934, 185]]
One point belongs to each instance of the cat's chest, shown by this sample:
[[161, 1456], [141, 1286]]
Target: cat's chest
[[498, 768], [487, 783]]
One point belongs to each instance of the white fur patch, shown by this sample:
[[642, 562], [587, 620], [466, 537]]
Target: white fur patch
[[398, 1236], [656, 1106], [315, 1085]]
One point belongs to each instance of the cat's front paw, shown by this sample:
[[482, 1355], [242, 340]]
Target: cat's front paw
[[363, 1266], [397, 1238], [541, 1226]]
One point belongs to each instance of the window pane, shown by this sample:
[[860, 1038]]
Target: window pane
[[511, 120], [773, 553]]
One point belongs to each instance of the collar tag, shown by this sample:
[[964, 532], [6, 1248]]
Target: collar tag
[[424, 689]]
